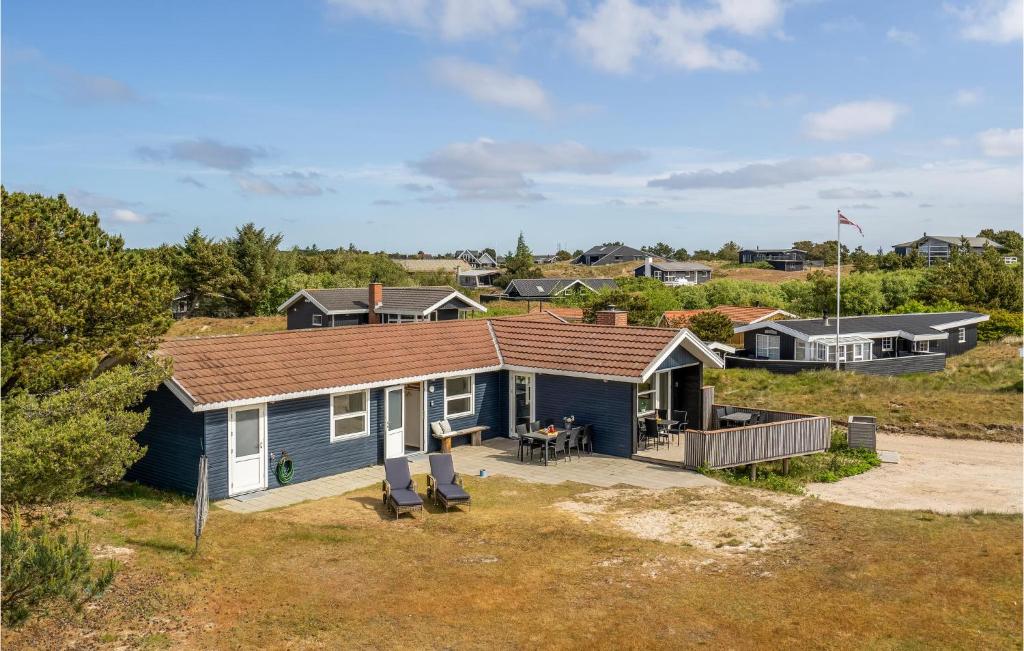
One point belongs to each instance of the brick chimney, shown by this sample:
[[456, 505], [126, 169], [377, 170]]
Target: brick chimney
[[611, 316], [376, 297]]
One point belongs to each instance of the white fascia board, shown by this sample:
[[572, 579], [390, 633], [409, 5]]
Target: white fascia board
[[776, 326], [579, 374], [180, 393], [303, 294], [692, 344], [962, 322], [771, 314], [341, 389], [458, 295]]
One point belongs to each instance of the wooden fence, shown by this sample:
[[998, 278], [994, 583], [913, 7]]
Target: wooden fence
[[782, 435]]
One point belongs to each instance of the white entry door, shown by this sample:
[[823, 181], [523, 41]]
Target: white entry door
[[394, 420], [247, 449]]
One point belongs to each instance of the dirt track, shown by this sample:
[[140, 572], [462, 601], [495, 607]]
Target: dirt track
[[942, 475]]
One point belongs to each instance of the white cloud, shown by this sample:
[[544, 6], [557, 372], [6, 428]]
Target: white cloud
[[206, 152], [451, 20], [491, 86], [967, 96], [853, 120], [1001, 143], [620, 32], [761, 175], [126, 216], [994, 21], [489, 170], [861, 193], [903, 37], [287, 184]]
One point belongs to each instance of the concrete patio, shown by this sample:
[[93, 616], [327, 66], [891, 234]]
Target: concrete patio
[[497, 457]]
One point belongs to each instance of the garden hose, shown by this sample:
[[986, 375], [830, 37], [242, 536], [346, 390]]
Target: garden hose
[[284, 470]]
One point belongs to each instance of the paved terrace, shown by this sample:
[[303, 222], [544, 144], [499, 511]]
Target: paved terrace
[[498, 457]]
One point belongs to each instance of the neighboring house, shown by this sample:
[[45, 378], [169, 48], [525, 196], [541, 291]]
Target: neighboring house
[[889, 344], [477, 259], [674, 273], [545, 259], [938, 248], [781, 259], [473, 278], [739, 315], [428, 265], [338, 399], [324, 308], [546, 289], [180, 306], [611, 254]]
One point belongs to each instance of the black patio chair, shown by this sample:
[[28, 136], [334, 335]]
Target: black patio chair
[[719, 412], [535, 426], [558, 444], [526, 443], [399, 489], [444, 484], [651, 428], [573, 441], [587, 439], [682, 422], [662, 413]]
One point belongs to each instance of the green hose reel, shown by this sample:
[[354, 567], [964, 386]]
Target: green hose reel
[[285, 470]]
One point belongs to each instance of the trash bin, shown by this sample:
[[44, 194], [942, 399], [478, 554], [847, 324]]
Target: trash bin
[[860, 431]]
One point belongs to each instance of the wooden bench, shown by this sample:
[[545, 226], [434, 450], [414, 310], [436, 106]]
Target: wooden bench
[[475, 435]]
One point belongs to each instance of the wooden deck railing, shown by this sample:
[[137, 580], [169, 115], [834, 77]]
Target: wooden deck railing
[[781, 435]]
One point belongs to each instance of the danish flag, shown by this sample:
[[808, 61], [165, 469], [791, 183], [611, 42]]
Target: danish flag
[[843, 220]]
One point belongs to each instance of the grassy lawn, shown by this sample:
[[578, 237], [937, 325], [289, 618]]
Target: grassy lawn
[[208, 326], [554, 566], [838, 462], [977, 395]]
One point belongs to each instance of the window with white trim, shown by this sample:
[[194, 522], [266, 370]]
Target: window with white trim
[[767, 347], [961, 335], [318, 319], [349, 416], [799, 350], [458, 396], [645, 396], [888, 344], [922, 346]]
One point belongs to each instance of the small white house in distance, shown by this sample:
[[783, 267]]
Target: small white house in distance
[[674, 273]]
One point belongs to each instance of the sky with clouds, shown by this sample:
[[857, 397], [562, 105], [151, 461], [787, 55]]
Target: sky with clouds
[[408, 125]]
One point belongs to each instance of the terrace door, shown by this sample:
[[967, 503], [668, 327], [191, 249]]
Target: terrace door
[[394, 422], [247, 449], [521, 400]]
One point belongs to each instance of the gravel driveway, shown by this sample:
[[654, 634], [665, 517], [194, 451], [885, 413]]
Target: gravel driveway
[[942, 475]]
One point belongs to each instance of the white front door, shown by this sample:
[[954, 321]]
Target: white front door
[[394, 419], [247, 449], [521, 406]]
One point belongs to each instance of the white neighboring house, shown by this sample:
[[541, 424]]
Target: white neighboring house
[[674, 273]]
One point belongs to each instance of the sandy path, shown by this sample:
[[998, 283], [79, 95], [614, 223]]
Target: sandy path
[[942, 475]]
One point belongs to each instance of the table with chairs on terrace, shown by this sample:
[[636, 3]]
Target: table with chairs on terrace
[[549, 442], [658, 428]]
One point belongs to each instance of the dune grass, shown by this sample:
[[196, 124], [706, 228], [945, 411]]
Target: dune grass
[[977, 396], [208, 326], [516, 573]]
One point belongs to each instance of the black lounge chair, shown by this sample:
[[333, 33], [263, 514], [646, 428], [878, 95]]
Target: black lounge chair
[[444, 484], [399, 489]]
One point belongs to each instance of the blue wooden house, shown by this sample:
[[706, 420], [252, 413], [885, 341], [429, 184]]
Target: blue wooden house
[[337, 399]]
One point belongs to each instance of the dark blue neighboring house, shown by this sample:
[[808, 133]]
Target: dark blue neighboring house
[[348, 306], [337, 399]]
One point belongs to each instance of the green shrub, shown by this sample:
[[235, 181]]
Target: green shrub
[[1001, 323]]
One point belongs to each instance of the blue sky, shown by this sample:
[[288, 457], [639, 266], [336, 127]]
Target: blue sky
[[410, 125]]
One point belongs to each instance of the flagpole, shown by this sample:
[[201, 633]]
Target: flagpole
[[839, 267]]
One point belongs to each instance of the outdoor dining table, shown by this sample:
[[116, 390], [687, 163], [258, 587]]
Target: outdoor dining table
[[543, 436], [738, 417]]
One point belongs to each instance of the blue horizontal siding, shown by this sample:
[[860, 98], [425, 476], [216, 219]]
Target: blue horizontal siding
[[679, 357], [173, 437], [216, 435], [490, 398], [608, 406]]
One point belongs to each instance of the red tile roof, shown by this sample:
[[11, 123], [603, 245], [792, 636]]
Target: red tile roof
[[216, 371], [738, 314]]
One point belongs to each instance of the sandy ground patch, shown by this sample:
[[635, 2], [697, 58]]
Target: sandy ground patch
[[942, 475], [706, 519]]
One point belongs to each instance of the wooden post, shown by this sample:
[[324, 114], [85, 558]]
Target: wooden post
[[753, 472], [785, 466]]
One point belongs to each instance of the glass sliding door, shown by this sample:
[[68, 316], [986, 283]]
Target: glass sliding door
[[521, 400]]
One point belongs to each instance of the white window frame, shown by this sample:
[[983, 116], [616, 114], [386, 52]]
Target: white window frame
[[888, 344], [458, 396], [318, 319], [800, 350], [759, 346], [653, 393], [365, 413], [922, 346], [961, 335]]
